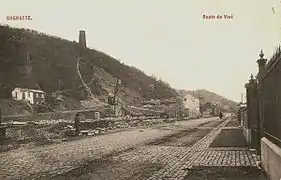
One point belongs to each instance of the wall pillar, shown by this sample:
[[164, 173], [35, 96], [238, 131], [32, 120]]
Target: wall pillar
[[261, 73], [253, 113]]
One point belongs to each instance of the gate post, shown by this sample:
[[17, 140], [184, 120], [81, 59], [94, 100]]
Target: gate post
[[253, 118], [262, 71]]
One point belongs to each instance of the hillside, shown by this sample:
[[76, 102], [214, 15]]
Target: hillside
[[34, 60], [208, 96]]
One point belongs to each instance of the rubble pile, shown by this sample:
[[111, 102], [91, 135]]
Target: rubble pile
[[29, 135], [34, 133]]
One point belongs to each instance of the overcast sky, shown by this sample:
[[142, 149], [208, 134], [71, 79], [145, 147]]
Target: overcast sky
[[168, 38]]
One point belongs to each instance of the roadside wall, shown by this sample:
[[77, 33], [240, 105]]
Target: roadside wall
[[271, 159], [243, 114]]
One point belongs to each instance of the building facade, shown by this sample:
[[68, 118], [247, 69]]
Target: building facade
[[33, 96], [192, 104]]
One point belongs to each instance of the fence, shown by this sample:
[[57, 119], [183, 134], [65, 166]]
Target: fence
[[263, 102], [269, 96]]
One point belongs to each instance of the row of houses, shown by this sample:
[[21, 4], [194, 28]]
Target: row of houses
[[191, 106]]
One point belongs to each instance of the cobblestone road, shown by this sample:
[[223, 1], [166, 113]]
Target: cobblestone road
[[59, 158], [167, 162]]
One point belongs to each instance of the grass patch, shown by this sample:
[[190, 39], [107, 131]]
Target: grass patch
[[184, 138], [232, 123], [230, 138], [231, 173]]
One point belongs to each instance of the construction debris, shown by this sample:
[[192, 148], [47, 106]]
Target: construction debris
[[44, 132]]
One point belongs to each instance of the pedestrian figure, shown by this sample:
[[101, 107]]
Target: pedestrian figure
[[77, 124], [220, 115]]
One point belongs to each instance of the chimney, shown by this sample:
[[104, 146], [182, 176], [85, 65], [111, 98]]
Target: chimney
[[261, 62], [82, 38]]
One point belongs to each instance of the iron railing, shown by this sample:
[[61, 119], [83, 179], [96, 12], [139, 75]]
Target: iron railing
[[270, 106]]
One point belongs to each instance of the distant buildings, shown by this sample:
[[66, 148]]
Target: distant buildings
[[206, 114], [187, 104], [33, 96], [210, 109], [191, 105]]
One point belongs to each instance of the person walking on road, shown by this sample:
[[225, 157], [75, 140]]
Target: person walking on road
[[220, 115]]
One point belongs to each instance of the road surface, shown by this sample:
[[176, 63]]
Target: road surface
[[171, 151]]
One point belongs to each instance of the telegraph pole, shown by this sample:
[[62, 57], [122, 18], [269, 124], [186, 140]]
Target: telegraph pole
[[0, 116], [116, 89], [201, 99], [179, 102]]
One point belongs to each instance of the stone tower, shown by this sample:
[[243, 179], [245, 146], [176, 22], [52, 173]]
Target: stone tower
[[82, 38]]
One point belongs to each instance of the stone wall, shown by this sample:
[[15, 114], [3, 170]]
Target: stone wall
[[271, 159]]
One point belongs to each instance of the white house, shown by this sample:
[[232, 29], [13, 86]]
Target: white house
[[33, 96], [192, 104]]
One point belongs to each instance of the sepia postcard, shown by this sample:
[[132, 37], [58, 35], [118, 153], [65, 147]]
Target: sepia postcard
[[140, 90]]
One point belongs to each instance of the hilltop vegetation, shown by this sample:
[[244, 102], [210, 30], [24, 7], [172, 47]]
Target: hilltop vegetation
[[34, 60]]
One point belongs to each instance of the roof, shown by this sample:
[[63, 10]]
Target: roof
[[33, 90]]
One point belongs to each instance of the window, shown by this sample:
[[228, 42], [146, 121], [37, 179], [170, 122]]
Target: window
[[42, 95], [28, 93], [37, 95], [16, 95]]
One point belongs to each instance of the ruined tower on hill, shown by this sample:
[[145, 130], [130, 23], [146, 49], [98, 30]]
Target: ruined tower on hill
[[82, 38]]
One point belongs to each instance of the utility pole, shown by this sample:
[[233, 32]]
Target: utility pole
[[179, 102], [2, 130], [0, 116], [201, 99], [116, 89]]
